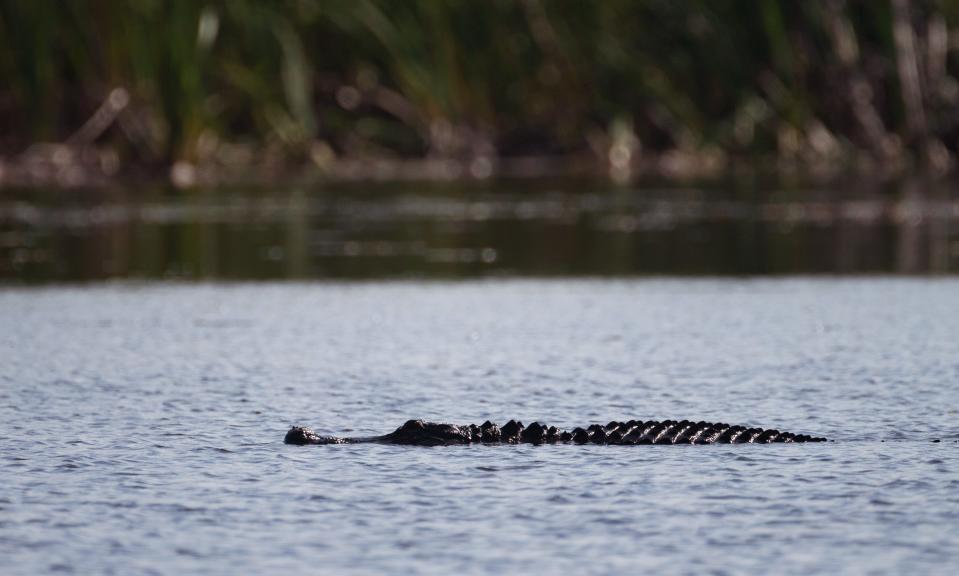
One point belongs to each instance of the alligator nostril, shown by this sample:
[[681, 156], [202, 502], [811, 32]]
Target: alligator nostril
[[301, 436]]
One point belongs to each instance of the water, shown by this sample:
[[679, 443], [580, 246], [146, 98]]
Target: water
[[143, 424], [143, 404], [458, 230]]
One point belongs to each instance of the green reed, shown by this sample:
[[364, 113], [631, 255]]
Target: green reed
[[464, 77]]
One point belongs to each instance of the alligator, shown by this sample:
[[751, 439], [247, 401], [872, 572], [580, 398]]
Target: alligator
[[421, 433]]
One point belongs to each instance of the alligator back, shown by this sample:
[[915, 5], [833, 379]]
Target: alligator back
[[632, 432]]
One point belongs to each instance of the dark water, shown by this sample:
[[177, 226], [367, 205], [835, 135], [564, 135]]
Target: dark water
[[142, 427], [472, 230]]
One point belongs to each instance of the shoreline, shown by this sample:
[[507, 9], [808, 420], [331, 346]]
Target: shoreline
[[53, 165]]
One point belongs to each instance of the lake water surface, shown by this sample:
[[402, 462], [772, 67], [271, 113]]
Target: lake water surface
[[470, 230], [142, 426], [155, 346]]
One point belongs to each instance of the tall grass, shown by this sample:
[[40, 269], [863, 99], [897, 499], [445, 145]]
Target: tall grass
[[508, 77]]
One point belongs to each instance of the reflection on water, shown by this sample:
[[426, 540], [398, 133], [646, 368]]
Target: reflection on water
[[453, 230]]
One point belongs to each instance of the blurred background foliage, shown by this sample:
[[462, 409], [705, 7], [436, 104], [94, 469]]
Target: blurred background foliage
[[235, 82]]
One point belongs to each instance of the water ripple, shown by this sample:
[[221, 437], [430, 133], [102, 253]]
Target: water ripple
[[143, 427]]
